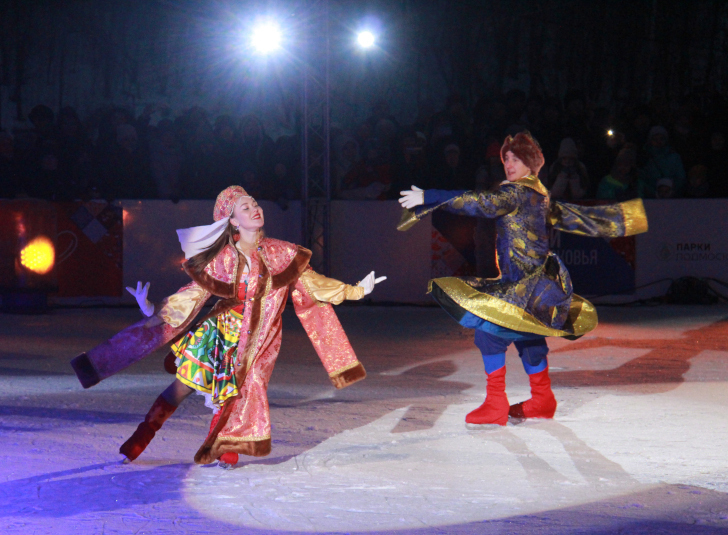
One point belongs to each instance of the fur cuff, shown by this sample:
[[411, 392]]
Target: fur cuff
[[254, 448], [85, 371], [291, 274], [349, 376], [211, 284]]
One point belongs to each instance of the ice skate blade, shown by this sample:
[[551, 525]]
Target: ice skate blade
[[225, 466], [126, 460], [528, 421], [483, 427]]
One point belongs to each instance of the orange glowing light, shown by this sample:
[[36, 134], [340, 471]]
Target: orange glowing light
[[38, 255]]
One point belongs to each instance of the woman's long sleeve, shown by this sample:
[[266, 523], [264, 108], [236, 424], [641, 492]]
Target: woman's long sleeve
[[323, 327]]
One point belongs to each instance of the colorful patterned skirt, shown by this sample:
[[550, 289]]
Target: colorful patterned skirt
[[205, 356]]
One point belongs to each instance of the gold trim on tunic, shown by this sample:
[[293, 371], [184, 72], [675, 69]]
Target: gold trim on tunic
[[252, 353], [249, 438], [408, 220], [531, 181], [635, 217], [582, 314]]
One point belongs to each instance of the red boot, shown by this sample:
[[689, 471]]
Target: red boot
[[542, 403], [157, 415], [227, 461], [495, 408]]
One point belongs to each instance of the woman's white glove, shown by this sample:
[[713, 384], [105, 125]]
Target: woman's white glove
[[412, 197], [369, 281], [140, 294]]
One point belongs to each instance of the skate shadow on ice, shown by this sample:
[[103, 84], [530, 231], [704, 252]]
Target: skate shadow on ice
[[595, 469], [431, 377], [663, 366], [72, 492], [423, 390]]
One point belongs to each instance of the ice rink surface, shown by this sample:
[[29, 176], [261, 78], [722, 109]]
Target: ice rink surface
[[639, 444]]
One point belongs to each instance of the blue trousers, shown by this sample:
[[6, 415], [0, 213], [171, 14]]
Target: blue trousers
[[493, 340]]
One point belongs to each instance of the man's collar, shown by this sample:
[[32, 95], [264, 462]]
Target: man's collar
[[530, 181]]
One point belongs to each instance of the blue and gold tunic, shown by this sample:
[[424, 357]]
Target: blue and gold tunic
[[533, 292]]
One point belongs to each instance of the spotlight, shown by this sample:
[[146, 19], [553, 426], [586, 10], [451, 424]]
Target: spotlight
[[27, 255], [366, 39], [38, 256], [266, 38]]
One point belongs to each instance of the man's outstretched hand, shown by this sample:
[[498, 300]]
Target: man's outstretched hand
[[412, 197]]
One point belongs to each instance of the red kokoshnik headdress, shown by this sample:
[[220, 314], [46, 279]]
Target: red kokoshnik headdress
[[226, 201], [195, 240]]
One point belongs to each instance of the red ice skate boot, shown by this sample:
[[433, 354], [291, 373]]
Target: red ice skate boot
[[157, 415], [227, 461], [542, 403], [494, 409]]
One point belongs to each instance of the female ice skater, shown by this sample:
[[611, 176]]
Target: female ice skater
[[229, 355], [532, 298]]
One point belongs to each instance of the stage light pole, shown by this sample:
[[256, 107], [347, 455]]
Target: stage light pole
[[315, 127], [316, 141], [316, 146]]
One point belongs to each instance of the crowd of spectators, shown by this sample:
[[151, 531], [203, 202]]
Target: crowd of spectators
[[115, 155], [649, 150]]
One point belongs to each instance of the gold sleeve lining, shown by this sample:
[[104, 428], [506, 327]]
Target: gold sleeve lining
[[408, 220], [328, 290], [635, 218], [176, 308]]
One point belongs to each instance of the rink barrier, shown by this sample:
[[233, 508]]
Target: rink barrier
[[687, 237]]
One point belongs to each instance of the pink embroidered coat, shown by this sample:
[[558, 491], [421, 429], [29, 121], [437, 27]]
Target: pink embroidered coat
[[242, 425]]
